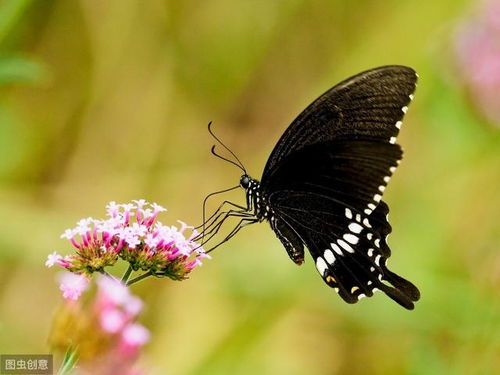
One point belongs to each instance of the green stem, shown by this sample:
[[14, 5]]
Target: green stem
[[69, 362], [107, 274], [139, 278], [126, 275]]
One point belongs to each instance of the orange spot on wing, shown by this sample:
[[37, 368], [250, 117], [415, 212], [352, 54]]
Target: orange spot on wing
[[330, 279]]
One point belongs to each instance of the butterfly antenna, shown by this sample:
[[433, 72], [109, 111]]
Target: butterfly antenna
[[225, 159], [239, 164]]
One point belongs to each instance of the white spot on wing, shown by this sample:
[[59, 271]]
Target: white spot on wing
[[355, 227], [377, 197], [367, 211], [346, 246], [370, 252], [381, 188], [411, 96], [367, 222], [369, 235], [377, 242], [330, 258], [405, 109], [336, 248], [348, 213], [351, 238], [361, 296], [398, 124], [392, 169], [377, 260], [371, 206], [321, 266], [358, 217], [392, 140], [386, 179]]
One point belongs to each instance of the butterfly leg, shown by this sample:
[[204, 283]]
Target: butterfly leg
[[218, 211], [242, 223], [209, 232]]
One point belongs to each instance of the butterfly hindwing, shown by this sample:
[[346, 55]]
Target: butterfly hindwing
[[348, 247]]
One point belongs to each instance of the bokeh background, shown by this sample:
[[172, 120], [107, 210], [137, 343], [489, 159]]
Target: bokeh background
[[109, 100]]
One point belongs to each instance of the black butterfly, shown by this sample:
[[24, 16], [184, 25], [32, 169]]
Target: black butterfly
[[323, 183]]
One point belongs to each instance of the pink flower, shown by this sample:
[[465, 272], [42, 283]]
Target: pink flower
[[110, 328], [132, 233], [68, 234], [140, 202], [134, 336], [112, 209], [112, 292], [53, 259], [112, 320], [73, 285], [133, 306], [477, 49]]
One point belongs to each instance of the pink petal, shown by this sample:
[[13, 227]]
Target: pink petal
[[135, 335], [73, 285], [112, 320], [53, 259]]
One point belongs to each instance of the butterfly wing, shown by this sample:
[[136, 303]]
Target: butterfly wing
[[326, 177], [370, 104]]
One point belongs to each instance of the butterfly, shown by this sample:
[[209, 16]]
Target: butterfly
[[323, 183]]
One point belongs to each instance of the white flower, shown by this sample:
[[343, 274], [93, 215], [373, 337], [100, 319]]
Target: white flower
[[52, 259]]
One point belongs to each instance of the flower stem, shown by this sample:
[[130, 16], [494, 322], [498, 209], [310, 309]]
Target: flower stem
[[107, 274], [69, 362], [139, 278], [126, 275]]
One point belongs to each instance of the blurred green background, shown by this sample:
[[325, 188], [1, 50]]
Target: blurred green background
[[109, 100]]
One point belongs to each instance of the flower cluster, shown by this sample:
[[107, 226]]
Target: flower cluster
[[133, 233], [116, 310], [104, 330], [477, 47]]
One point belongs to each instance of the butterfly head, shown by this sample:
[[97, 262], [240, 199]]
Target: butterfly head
[[245, 181]]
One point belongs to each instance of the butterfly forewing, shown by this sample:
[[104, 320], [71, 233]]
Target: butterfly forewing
[[370, 104]]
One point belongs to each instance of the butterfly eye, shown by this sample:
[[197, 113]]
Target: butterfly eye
[[244, 181]]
